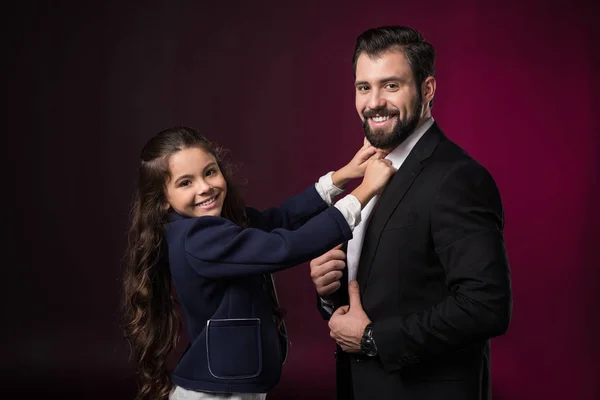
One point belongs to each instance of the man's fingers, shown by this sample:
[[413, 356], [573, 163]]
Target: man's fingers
[[334, 254], [324, 282], [330, 277], [329, 289], [325, 271], [320, 271], [354, 295], [328, 283]]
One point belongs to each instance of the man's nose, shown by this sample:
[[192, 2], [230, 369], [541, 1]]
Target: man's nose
[[376, 100]]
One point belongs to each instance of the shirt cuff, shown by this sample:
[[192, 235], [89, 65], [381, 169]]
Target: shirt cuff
[[327, 305], [326, 189], [350, 208]]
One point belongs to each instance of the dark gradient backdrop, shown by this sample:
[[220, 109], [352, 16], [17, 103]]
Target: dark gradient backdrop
[[87, 83]]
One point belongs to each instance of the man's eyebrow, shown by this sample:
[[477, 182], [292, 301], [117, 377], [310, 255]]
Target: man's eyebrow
[[393, 78]]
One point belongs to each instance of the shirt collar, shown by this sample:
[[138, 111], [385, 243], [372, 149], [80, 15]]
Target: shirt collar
[[399, 154]]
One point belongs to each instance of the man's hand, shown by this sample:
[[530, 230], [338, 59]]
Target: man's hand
[[326, 271], [348, 323]]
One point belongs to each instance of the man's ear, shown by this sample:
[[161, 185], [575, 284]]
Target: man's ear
[[428, 89]]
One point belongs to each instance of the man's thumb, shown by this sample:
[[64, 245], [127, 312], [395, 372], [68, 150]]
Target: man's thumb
[[341, 310], [354, 295]]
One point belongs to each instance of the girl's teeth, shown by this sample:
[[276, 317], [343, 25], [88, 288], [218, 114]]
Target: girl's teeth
[[207, 202]]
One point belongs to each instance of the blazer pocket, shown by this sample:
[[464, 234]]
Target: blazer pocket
[[401, 220], [233, 348]]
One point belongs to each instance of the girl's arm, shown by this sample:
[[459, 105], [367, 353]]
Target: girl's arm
[[217, 248], [295, 211]]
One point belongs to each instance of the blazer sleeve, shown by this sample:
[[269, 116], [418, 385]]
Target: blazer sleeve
[[466, 225], [217, 248], [291, 214]]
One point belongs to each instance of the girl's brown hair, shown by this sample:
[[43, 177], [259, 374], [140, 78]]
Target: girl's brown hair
[[151, 321]]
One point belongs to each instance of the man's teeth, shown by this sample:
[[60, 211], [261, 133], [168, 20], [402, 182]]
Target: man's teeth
[[207, 202], [381, 119]]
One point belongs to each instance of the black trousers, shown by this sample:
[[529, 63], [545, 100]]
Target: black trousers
[[343, 376]]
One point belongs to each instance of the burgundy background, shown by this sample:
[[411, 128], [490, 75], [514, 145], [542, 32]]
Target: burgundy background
[[88, 84]]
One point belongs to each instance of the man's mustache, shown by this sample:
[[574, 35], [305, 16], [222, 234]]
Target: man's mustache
[[382, 112]]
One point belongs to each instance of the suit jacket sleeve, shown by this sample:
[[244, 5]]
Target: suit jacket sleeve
[[466, 225], [217, 248], [292, 213]]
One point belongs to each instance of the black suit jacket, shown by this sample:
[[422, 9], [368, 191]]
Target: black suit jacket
[[434, 279]]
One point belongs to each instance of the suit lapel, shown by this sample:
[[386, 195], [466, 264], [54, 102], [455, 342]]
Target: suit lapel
[[391, 198]]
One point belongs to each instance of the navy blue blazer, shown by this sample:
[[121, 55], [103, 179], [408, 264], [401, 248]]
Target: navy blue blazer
[[218, 270]]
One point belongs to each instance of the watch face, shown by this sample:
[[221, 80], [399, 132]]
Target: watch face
[[367, 344], [370, 349]]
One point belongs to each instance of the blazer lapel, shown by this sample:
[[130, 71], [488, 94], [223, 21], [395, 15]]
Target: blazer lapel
[[391, 197]]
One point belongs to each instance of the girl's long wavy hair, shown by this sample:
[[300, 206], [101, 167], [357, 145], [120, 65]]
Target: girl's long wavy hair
[[151, 321]]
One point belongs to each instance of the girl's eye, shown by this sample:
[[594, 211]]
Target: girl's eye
[[211, 172], [185, 183]]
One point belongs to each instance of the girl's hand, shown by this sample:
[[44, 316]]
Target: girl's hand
[[377, 175], [357, 165]]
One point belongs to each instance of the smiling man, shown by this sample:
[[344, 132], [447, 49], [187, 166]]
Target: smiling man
[[388, 99], [427, 275]]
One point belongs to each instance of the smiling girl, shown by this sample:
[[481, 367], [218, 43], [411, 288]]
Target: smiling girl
[[190, 227]]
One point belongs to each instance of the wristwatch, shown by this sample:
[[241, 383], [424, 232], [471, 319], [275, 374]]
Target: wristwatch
[[367, 343]]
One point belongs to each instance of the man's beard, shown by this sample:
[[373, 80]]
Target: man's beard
[[400, 131]]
